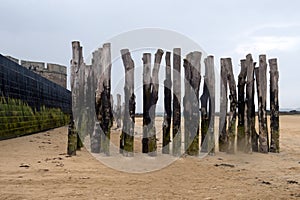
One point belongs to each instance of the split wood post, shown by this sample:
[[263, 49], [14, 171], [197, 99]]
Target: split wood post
[[250, 134], [154, 98], [112, 118], [262, 105], [127, 138], [146, 100], [95, 138], [187, 102], [204, 117], [223, 142], [89, 101], [195, 80], [259, 114], [167, 104], [176, 150], [103, 103], [274, 105], [233, 106], [76, 63], [208, 137], [79, 123], [72, 139], [97, 65], [118, 111], [241, 106], [96, 74]]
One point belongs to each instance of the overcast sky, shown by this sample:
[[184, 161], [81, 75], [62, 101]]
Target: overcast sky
[[42, 30]]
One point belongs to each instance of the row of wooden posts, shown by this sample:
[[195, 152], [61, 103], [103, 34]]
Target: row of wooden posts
[[91, 96]]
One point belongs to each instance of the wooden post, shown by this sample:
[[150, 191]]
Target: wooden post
[[187, 102], [72, 139], [223, 142], [89, 100], [103, 103], [208, 113], [97, 70], [97, 65], [146, 100], [118, 111], [167, 104], [241, 106], [154, 97], [256, 73], [191, 102], [76, 65], [95, 138], [111, 109], [150, 97], [129, 110], [204, 115], [209, 79], [195, 83], [250, 134], [79, 123], [274, 105], [261, 80], [233, 106], [176, 102]]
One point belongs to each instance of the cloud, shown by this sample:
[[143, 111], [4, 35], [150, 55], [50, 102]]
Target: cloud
[[268, 38], [266, 44]]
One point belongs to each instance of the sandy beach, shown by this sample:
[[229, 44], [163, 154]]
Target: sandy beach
[[37, 167]]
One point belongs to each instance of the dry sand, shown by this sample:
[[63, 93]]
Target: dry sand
[[36, 167]]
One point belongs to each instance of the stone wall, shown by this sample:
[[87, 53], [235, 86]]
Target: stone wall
[[17, 82], [53, 72], [56, 73], [13, 59]]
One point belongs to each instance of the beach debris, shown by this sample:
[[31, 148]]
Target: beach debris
[[24, 165], [266, 182], [224, 165], [292, 182]]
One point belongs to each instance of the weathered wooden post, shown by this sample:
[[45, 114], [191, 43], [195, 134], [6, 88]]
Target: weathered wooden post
[[127, 137], [97, 68], [154, 98], [191, 102], [241, 106], [261, 80], [208, 136], [90, 105], [274, 105], [250, 134], [95, 138], [204, 115], [167, 104], [81, 106], [118, 111], [112, 118], [233, 106], [97, 65], [76, 64], [176, 149], [72, 139], [187, 102], [88, 98], [195, 83], [223, 142], [150, 97], [103, 103], [146, 100]]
